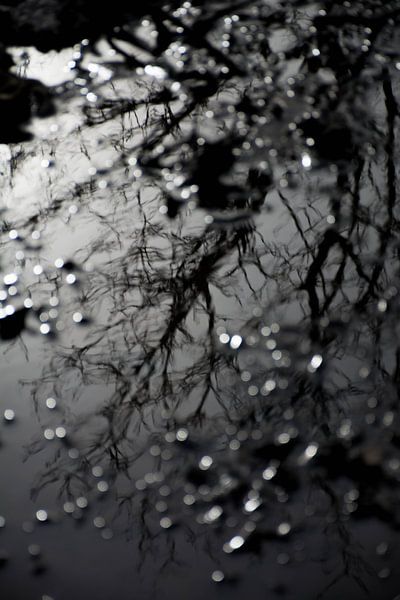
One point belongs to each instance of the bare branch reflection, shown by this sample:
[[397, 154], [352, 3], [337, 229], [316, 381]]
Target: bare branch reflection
[[222, 357]]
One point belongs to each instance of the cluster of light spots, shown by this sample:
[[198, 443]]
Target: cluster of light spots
[[271, 383], [99, 72], [155, 71], [350, 499], [7, 311]]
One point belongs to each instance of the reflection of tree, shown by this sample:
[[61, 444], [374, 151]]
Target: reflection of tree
[[260, 368], [161, 312], [293, 396]]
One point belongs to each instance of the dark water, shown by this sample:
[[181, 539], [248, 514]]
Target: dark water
[[199, 301]]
